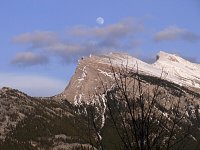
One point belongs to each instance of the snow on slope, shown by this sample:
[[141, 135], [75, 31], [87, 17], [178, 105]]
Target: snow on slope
[[178, 69], [122, 59], [86, 80], [168, 66]]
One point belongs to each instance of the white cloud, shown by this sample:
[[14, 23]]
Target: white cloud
[[29, 59], [33, 85], [174, 33], [37, 38], [80, 41], [118, 30]]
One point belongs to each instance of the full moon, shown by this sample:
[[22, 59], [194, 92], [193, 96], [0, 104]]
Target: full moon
[[100, 20]]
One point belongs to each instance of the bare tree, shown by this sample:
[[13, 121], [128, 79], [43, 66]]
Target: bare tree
[[148, 113]]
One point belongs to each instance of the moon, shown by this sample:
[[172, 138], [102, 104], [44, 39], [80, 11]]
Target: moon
[[100, 20]]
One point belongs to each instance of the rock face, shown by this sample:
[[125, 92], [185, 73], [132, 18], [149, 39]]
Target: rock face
[[92, 71], [87, 79]]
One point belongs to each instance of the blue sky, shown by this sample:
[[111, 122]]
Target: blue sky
[[41, 40]]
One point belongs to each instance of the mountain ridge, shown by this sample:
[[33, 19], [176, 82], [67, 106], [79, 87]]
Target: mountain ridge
[[93, 70]]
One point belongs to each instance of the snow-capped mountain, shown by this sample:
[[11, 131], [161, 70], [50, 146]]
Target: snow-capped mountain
[[63, 121], [94, 70]]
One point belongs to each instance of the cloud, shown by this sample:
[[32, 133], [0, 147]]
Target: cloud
[[29, 59], [78, 41], [34, 85], [36, 39], [174, 33], [70, 52], [111, 36], [127, 27]]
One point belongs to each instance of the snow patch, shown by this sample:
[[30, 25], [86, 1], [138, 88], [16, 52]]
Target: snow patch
[[83, 75], [78, 99], [103, 111], [108, 74]]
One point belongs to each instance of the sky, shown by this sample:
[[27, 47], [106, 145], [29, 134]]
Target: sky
[[42, 40]]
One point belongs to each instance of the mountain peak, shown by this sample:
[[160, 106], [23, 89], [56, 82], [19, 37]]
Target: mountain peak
[[167, 57], [94, 70]]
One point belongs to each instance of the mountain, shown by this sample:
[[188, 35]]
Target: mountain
[[81, 116], [92, 71], [36, 123]]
